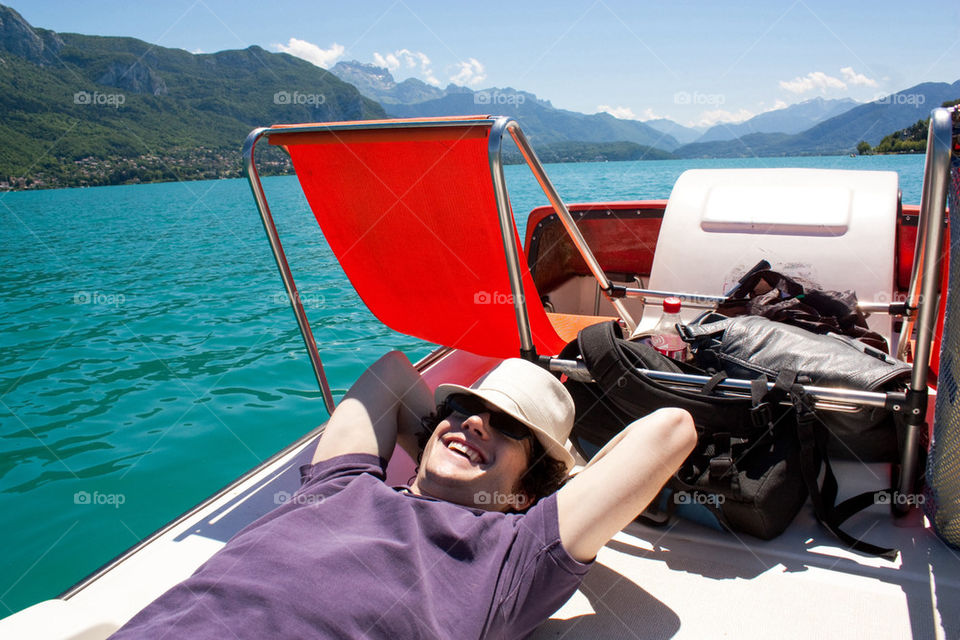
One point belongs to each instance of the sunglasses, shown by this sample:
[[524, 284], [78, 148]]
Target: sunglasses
[[467, 405]]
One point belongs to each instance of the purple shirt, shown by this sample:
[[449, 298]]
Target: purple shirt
[[350, 557]]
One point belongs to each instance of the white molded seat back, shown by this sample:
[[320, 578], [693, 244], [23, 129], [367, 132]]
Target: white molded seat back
[[834, 227]]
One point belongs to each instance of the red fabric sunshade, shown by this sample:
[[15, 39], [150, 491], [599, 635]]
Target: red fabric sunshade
[[410, 214]]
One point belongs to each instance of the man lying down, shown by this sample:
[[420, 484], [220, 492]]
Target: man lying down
[[485, 542]]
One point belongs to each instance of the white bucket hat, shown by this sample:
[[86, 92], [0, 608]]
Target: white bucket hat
[[530, 394]]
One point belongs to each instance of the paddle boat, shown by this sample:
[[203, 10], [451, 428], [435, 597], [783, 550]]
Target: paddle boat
[[417, 213]]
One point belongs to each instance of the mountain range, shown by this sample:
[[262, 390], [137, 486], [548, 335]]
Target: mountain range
[[869, 122], [546, 124], [88, 110], [792, 119], [816, 126]]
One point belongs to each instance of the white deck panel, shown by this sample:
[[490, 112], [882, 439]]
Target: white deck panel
[[836, 228]]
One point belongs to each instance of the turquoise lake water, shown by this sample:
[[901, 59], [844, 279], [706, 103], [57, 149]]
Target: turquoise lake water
[[148, 354]]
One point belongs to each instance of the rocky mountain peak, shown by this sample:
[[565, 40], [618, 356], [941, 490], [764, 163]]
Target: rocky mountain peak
[[20, 39]]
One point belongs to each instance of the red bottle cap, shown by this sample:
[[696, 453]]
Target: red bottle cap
[[671, 305]]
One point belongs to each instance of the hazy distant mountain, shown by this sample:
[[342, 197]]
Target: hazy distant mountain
[[839, 134], [684, 135], [792, 119], [124, 110], [378, 83], [541, 121]]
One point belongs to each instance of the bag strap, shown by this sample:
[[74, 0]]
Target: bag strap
[[598, 346], [704, 327], [813, 449]]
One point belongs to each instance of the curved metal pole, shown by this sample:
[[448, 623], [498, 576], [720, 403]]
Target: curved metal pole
[[253, 176], [933, 202], [933, 206], [494, 148], [571, 226]]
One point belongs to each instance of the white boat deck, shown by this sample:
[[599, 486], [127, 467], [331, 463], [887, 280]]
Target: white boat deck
[[684, 580]]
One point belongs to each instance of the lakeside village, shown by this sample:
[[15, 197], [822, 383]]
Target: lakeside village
[[176, 164]]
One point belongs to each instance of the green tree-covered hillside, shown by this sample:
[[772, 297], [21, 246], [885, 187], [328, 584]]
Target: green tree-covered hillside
[[85, 110]]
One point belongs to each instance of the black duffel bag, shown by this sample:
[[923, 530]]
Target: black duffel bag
[[756, 458], [749, 346]]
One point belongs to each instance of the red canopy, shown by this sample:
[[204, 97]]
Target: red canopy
[[410, 213]]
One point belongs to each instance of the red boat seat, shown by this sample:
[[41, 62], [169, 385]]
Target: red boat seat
[[409, 210]]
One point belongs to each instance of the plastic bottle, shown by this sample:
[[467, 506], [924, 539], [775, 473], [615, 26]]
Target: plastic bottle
[[665, 337]]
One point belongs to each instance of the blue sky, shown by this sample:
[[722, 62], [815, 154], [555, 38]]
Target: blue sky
[[696, 62]]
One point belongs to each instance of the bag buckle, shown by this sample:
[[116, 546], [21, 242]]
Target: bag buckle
[[761, 415], [719, 467]]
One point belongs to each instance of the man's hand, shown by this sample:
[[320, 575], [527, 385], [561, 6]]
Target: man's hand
[[622, 479], [385, 402]]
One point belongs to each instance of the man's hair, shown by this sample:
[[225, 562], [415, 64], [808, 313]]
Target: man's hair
[[543, 476]]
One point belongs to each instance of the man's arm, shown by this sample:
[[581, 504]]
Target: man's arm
[[622, 479], [382, 408]]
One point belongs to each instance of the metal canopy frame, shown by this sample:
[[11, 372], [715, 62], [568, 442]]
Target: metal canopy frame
[[920, 309], [498, 126]]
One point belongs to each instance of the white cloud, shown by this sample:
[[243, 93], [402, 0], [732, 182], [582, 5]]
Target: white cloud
[[648, 114], [857, 78], [406, 59], [469, 73], [312, 53], [624, 113], [812, 81], [818, 80], [710, 118]]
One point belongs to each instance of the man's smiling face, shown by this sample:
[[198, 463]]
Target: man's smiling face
[[466, 461]]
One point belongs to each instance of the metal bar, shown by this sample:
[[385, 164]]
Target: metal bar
[[578, 241], [253, 176], [889, 308], [933, 206], [373, 124], [494, 148], [832, 398], [933, 201], [708, 301], [703, 301], [913, 290]]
